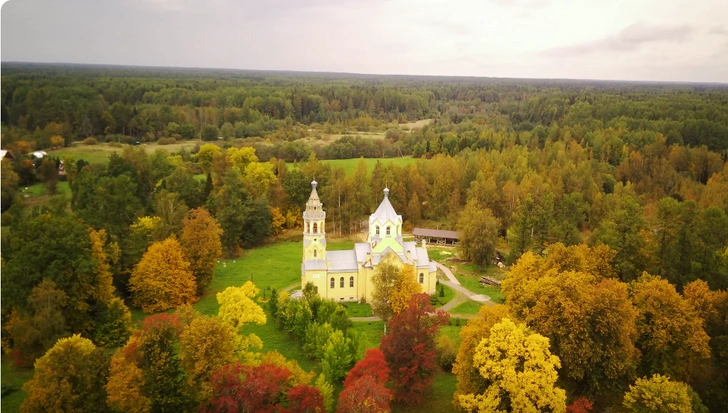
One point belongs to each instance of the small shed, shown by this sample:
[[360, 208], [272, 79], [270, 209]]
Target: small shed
[[436, 236]]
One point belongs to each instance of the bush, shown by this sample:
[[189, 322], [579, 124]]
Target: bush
[[115, 144], [166, 141], [446, 352], [90, 141]]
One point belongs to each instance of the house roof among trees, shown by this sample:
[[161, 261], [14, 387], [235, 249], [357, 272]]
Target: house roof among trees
[[435, 233]]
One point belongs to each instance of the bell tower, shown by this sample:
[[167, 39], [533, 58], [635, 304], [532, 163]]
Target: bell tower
[[314, 227]]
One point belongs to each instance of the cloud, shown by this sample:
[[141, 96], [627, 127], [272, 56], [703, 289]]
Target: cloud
[[629, 39], [718, 30], [524, 4]]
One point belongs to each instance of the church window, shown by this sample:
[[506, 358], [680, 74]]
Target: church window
[[341, 282], [422, 278], [332, 283], [314, 253], [351, 281], [388, 230], [377, 229], [315, 228]]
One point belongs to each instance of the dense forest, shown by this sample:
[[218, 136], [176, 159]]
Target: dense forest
[[608, 200]]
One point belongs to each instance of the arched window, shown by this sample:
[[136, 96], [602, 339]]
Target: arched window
[[315, 228], [377, 229], [332, 283], [341, 282], [351, 281], [422, 278], [314, 253], [389, 229]]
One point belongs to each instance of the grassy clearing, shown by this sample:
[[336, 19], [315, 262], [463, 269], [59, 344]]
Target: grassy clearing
[[441, 253], [472, 283], [15, 377], [370, 334], [467, 307], [100, 153], [350, 164], [276, 339], [449, 295], [358, 310]]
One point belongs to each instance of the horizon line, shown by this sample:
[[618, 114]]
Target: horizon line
[[314, 72]]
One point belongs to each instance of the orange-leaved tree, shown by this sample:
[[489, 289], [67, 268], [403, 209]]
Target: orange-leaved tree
[[162, 279], [200, 240]]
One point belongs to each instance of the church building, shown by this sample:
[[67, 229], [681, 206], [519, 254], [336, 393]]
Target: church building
[[347, 275]]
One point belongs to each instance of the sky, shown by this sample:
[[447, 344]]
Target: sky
[[649, 40]]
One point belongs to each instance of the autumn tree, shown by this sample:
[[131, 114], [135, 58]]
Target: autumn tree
[[671, 336], [520, 372], [469, 380], [114, 325], [365, 395], [162, 279], [200, 239], [479, 229], [304, 399], [237, 307], [393, 287], [660, 394], [373, 364], [404, 287], [70, 377], [205, 345], [409, 348], [38, 329], [146, 374], [238, 387]]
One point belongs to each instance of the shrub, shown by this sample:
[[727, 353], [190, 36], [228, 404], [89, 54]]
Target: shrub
[[166, 141], [90, 141]]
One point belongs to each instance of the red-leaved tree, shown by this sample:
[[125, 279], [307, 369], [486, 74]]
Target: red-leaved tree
[[372, 364], [580, 405], [238, 387], [304, 399], [409, 348], [365, 395]]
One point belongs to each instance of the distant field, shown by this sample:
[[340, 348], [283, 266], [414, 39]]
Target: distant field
[[100, 153], [350, 164]]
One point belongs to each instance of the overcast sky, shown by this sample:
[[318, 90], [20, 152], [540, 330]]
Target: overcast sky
[[673, 40]]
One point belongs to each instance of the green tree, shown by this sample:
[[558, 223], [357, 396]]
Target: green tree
[[337, 357], [48, 173], [209, 133], [479, 229]]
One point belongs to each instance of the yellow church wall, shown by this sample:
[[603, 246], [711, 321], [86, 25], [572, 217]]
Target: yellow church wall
[[338, 293]]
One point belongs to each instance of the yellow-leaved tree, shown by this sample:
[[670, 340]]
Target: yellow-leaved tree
[[104, 290], [237, 306], [200, 240], [206, 344], [404, 286], [671, 334], [660, 394], [468, 377], [70, 377], [126, 380], [520, 372], [162, 279]]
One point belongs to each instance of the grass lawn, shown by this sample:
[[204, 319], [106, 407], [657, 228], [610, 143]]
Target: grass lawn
[[449, 295], [15, 377], [276, 339], [453, 332], [358, 310], [472, 283], [441, 253], [467, 307], [370, 334]]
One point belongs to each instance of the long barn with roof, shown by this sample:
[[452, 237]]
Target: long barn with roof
[[346, 275]]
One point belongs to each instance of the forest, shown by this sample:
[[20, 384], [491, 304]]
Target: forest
[[608, 202]]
